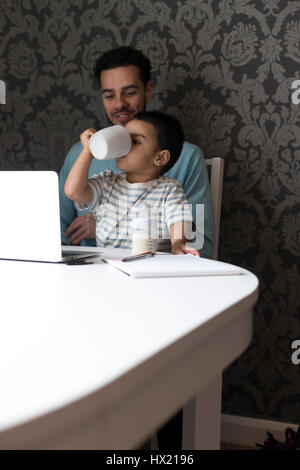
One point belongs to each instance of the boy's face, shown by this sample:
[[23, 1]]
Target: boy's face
[[144, 149], [123, 93]]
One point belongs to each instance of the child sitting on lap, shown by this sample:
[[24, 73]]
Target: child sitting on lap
[[157, 140]]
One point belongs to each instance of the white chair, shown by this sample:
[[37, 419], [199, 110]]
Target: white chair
[[215, 168], [197, 407]]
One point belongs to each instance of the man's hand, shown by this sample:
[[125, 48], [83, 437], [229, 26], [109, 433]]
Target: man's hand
[[180, 248], [82, 227]]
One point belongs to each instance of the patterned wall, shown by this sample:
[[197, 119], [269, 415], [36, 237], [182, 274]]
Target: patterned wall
[[225, 68]]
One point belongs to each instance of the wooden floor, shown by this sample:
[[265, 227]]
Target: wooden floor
[[224, 446], [228, 446]]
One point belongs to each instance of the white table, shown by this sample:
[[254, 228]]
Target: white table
[[91, 359]]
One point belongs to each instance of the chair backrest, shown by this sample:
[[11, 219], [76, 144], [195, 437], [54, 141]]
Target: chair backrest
[[215, 168]]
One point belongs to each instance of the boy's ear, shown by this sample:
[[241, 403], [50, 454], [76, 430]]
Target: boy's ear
[[162, 158]]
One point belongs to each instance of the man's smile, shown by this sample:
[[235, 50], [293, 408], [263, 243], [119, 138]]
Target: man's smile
[[123, 116]]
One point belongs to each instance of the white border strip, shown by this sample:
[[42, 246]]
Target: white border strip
[[241, 430]]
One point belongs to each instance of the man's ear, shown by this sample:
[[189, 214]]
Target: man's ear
[[149, 92], [162, 158]]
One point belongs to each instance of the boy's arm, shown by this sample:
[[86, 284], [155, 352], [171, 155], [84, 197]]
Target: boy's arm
[[190, 170], [179, 219], [178, 233], [76, 185], [75, 227]]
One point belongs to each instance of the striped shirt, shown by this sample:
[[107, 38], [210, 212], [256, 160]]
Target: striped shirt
[[116, 202]]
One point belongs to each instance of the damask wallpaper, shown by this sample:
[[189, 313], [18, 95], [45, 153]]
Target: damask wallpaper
[[225, 68]]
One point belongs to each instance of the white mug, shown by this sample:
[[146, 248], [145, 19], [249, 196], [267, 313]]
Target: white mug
[[111, 142]]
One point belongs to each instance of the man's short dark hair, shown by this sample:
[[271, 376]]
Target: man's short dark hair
[[170, 135], [122, 57]]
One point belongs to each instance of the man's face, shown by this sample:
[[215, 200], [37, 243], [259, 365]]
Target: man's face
[[123, 93]]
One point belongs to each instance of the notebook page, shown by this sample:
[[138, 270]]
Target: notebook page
[[175, 265]]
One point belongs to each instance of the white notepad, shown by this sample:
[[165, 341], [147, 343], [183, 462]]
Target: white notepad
[[174, 266]]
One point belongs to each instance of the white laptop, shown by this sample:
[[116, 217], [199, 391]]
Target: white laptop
[[30, 218]]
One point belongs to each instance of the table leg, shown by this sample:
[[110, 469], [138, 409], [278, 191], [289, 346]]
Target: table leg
[[202, 418]]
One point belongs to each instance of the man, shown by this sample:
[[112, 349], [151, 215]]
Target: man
[[126, 88]]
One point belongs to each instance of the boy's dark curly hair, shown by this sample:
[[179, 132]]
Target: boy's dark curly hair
[[169, 132]]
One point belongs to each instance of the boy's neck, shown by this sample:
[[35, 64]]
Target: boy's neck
[[131, 178]]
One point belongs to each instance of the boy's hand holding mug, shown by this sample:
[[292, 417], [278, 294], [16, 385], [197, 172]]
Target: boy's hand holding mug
[[85, 140]]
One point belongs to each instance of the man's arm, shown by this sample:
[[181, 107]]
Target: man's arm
[[190, 170], [67, 209], [74, 230]]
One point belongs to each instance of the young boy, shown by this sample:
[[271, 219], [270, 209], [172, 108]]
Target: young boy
[[157, 140]]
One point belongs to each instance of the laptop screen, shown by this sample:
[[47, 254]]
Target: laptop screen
[[30, 228]]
